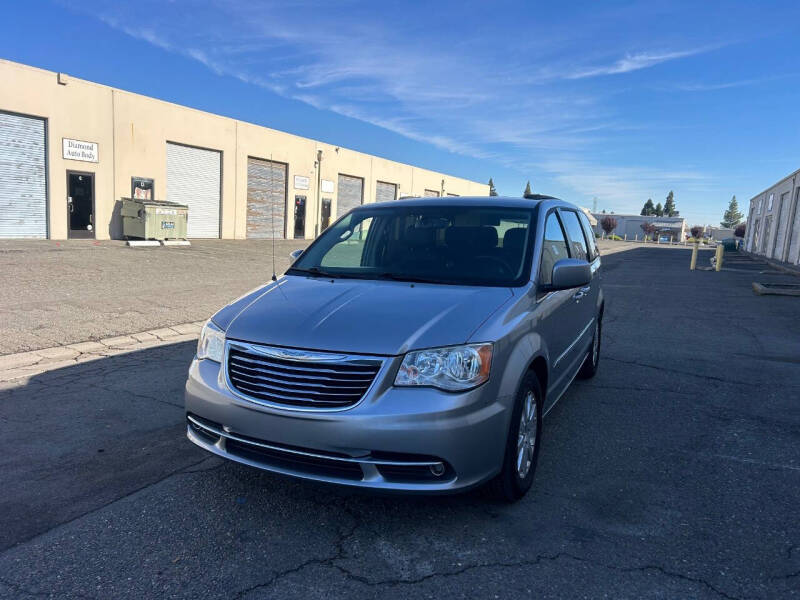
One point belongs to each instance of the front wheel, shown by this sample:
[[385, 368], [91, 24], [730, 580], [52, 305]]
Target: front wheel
[[522, 446]]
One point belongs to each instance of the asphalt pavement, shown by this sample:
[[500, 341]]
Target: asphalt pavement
[[675, 473], [64, 292]]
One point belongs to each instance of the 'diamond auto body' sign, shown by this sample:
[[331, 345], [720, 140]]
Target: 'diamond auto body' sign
[[78, 150]]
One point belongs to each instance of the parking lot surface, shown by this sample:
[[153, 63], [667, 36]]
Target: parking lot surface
[[57, 293], [675, 473]]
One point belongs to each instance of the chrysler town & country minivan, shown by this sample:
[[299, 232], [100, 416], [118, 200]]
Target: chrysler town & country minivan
[[414, 346]]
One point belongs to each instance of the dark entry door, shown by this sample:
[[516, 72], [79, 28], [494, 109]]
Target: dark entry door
[[299, 217], [80, 204]]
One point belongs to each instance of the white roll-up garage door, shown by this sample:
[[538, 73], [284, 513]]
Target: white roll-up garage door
[[351, 193], [193, 178], [385, 192], [266, 199], [23, 177]]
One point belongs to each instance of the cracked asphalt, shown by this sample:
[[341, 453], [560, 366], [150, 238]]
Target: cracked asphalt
[[675, 473]]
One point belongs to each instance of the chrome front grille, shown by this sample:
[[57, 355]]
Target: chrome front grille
[[299, 378]]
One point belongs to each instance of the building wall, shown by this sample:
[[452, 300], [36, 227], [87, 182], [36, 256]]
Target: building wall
[[773, 223], [132, 132], [631, 225]]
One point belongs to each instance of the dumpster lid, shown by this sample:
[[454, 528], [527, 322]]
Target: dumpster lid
[[157, 203]]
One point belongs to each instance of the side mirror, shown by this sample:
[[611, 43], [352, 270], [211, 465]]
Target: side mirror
[[295, 254], [570, 273]]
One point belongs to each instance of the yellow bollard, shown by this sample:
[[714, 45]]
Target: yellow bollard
[[720, 252], [693, 263]]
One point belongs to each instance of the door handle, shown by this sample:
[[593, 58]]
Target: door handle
[[582, 292]]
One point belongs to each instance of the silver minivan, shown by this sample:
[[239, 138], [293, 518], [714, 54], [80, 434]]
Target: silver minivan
[[415, 346]]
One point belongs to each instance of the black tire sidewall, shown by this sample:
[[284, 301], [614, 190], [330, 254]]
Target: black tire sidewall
[[515, 487]]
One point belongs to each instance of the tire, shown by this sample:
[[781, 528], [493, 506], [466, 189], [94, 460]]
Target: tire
[[512, 483], [592, 360]]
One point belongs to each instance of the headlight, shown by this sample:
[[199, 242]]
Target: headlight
[[454, 368], [211, 344]]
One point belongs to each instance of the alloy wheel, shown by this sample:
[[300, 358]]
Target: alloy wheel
[[526, 438]]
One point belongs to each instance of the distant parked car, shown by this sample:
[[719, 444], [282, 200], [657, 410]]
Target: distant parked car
[[665, 239], [415, 346]]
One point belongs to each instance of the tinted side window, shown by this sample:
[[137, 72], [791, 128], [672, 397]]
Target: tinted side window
[[587, 229], [573, 227], [554, 248]]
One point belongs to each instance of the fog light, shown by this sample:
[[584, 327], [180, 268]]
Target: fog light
[[437, 469]]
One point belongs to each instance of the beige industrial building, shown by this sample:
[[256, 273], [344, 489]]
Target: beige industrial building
[[70, 150], [773, 221]]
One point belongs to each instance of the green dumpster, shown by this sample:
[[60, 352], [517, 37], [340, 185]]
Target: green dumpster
[[730, 244], [154, 219]]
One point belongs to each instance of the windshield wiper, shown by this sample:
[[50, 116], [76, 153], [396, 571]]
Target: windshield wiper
[[411, 278], [313, 271]]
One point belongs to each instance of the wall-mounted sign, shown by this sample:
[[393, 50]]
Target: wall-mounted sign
[[78, 150], [326, 185], [300, 182], [142, 188]]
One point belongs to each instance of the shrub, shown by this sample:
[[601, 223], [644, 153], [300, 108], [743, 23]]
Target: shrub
[[740, 230], [608, 224]]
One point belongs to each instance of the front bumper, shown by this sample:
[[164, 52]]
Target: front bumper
[[404, 439]]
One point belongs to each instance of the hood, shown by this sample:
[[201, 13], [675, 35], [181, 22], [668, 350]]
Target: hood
[[359, 316]]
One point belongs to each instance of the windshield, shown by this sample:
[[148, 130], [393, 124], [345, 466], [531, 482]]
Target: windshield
[[458, 245]]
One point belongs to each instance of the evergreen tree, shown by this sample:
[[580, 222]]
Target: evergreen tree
[[669, 206], [492, 189], [528, 191], [659, 210], [732, 216], [648, 209]]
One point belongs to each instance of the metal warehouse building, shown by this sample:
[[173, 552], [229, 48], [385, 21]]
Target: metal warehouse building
[[630, 226], [773, 223], [71, 149]]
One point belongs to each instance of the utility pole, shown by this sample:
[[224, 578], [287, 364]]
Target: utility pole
[[318, 211]]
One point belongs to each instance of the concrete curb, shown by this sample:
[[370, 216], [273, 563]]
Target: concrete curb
[[27, 364]]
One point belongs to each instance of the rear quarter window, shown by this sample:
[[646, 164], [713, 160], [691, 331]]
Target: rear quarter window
[[578, 247], [590, 238]]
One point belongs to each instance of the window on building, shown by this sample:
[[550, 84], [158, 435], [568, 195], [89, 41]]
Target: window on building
[[769, 204], [142, 188], [554, 248]]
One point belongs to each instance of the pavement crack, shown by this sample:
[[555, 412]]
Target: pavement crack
[[339, 551], [682, 372], [348, 574]]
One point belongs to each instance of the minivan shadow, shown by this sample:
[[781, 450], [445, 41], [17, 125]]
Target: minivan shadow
[[89, 434]]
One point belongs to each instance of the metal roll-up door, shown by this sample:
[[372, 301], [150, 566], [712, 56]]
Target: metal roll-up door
[[23, 177], [385, 192], [794, 231], [266, 199], [351, 193], [431, 194], [782, 225], [193, 178]]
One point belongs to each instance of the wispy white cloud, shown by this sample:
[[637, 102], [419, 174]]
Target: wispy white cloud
[[472, 93], [633, 62]]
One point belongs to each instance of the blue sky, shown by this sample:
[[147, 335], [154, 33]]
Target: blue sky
[[621, 101]]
